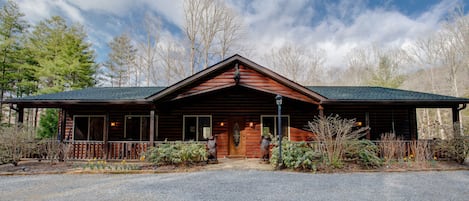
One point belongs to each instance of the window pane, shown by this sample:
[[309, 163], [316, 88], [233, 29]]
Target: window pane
[[145, 128], [81, 128], [268, 126], [205, 131], [190, 129], [96, 128]]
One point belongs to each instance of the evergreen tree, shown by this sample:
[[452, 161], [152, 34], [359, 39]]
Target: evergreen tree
[[121, 59], [12, 29], [48, 124], [62, 58], [386, 75]]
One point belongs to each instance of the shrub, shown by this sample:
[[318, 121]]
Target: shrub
[[456, 147], [333, 133], [297, 155], [391, 148], [177, 153], [365, 152], [15, 143]]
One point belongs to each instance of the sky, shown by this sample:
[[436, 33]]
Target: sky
[[337, 26]]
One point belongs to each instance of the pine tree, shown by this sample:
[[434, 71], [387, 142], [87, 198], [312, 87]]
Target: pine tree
[[62, 58], [12, 28], [48, 124], [386, 75], [120, 60]]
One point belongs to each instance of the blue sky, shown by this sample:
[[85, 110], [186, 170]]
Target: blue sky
[[335, 26]]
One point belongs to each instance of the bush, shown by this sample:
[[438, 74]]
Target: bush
[[333, 133], [177, 153], [365, 152], [15, 143], [297, 155], [457, 146]]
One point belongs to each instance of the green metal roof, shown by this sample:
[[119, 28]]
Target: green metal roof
[[367, 93], [331, 93], [99, 94]]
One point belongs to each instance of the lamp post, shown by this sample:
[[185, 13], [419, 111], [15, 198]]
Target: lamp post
[[278, 99]]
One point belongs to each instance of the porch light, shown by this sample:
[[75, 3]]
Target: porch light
[[251, 124], [222, 124], [278, 99], [113, 123], [358, 123]]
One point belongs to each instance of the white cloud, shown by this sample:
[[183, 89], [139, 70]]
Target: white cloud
[[172, 11], [335, 27], [343, 27], [116, 7], [35, 10]]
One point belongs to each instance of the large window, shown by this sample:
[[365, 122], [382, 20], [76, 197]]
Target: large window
[[269, 125], [137, 127], [197, 127], [88, 127]]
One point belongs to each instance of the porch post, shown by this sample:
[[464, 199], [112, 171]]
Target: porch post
[[321, 110], [61, 134], [20, 115], [413, 123], [152, 127], [455, 112], [106, 136], [63, 122]]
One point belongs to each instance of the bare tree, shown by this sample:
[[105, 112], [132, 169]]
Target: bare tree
[[212, 28], [171, 61], [231, 33], [426, 52], [148, 50], [303, 65], [192, 29]]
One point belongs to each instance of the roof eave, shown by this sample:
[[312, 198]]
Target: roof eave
[[175, 87], [420, 103], [61, 103]]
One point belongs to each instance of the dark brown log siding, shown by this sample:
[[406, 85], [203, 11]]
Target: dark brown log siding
[[234, 102], [381, 119]]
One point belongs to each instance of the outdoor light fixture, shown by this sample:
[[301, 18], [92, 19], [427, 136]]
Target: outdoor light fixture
[[251, 124], [358, 123], [278, 99], [113, 123], [222, 123]]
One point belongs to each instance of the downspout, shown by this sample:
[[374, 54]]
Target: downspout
[[461, 129]]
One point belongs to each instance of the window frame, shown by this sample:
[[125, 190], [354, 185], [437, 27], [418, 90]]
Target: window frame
[[196, 125], [88, 134], [275, 124], [140, 117]]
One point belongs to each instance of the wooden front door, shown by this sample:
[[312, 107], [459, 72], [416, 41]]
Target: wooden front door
[[237, 137]]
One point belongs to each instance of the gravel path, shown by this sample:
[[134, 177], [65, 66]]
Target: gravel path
[[235, 185]]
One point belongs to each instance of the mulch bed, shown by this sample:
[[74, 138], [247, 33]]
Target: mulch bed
[[29, 167]]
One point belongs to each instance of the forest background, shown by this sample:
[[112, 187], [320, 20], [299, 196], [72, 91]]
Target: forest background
[[56, 54]]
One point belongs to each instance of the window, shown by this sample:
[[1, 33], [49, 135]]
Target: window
[[88, 127], [137, 127], [197, 127], [269, 125]]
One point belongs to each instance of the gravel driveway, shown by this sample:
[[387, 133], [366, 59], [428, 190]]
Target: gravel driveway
[[239, 185]]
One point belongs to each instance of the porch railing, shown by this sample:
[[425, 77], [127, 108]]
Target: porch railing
[[112, 150]]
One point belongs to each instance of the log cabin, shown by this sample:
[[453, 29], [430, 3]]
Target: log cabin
[[234, 101]]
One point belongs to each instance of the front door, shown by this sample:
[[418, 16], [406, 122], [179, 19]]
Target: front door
[[237, 137]]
